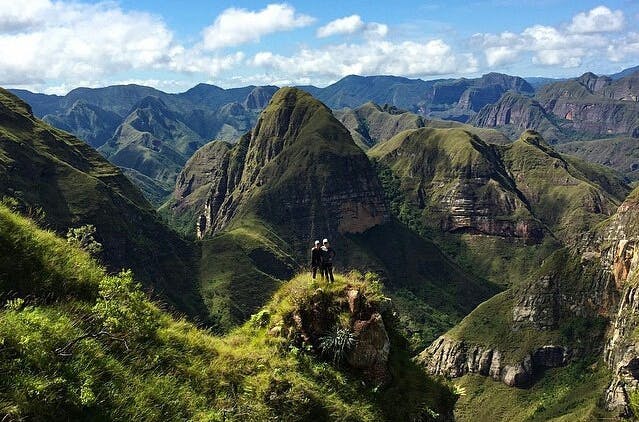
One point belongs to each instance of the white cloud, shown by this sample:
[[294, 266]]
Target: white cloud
[[345, 25], [599, 19], [73, 40], [543, 45], [239, 26], [407, 58], [54, 45], [351, 25]]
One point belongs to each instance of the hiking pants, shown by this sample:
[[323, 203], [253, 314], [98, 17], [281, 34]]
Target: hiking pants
[[327, 272]]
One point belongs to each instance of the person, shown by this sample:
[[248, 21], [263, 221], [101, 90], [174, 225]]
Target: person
[[327, 261], [316, 259]]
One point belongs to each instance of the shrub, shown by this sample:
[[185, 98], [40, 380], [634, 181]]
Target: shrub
[[123, 308], [337, 342], [83, 238]]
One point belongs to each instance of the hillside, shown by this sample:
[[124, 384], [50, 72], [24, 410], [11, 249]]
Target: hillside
[[621, 154], [587, 107], [79, 344], [575, 313], [65, 182], [148, 133], [498, 209], [298, 176], [370, 124]]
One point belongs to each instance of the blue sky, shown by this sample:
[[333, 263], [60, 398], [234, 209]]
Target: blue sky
[[54, 46]]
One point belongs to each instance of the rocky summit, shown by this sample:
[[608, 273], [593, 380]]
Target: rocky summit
[[297, 168]]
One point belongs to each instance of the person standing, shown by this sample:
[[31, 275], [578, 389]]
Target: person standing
[[316, 259], [327, 260]]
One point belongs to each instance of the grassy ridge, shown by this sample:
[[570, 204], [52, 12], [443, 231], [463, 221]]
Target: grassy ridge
[[55, 364]]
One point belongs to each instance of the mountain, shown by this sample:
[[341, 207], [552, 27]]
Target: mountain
[[298, 176], [576, 313], [43, 168], [370, 124], [454, 99], [80, 344], [514, 113], [621, 154], [491, 206], [587, 107], [148, 133]]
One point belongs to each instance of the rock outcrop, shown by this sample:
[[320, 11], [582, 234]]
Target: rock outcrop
[[591, 106], [454, 358], [316, 317]]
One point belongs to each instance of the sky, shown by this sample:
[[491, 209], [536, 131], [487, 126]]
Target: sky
[[55, 46]]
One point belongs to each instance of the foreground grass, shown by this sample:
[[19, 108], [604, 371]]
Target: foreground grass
[[76, 344]]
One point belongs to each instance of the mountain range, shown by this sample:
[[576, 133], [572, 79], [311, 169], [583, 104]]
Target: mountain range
[[484, 271]]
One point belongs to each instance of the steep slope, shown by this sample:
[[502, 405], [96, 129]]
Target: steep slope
[[87, 121], [579, 310], [78, 344], [44, 168], [587, 107], [148, 133], [498, 209], [621, 154], [370, 124], [515, 113], [454, 99], [296, 177]]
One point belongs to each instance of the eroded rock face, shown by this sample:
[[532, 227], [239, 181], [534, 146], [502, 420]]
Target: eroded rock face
[[297, 168], [453, 359], [372, 348]]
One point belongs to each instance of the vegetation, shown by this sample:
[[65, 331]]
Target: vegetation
[[561, 394], [77, 343]]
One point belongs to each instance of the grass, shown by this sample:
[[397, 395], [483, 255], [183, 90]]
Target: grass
[[170, 369], [562, 394]]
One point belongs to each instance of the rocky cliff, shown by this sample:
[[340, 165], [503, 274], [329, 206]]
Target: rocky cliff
[[590, 106], [582, 304], [266, 174], [458, 183]]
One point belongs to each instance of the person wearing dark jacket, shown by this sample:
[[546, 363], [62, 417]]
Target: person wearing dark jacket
[[316, 259], [327, 261]]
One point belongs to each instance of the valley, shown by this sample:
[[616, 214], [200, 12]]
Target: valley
[[484, 231]]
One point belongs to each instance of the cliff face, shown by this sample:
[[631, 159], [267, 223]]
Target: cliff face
[[595, 280], [460, 184], [590, 106], [298, 168]]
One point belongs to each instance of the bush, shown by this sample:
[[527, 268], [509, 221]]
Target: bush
[[123, 308], [83, 238], [337, 342]]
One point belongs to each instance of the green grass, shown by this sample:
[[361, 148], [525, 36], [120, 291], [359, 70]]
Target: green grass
[[562, 394], [169, 369]]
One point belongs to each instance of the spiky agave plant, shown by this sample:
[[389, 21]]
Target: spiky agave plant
[[337, 342]]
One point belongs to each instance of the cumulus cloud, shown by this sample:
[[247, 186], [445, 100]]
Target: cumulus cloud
[[406, 58], [565, 46], [599, 19], [239, 26], [48, 43], [351, 25]]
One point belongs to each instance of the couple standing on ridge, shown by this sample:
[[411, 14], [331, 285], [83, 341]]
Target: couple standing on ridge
[[322, 258]]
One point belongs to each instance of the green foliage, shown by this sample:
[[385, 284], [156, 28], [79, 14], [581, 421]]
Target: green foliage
[[83, 238], [122, 307], [337, 342], [568, 394], [172, 370]]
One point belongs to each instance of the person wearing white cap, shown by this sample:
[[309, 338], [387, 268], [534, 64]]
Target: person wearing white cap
[[327, 261], [316, 259]]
